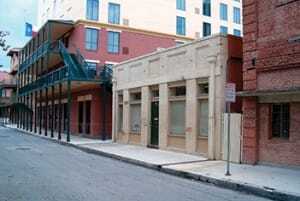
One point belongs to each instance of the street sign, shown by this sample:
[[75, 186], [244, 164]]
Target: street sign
[[230, 93]]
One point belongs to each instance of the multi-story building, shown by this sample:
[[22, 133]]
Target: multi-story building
[[174, 99], [271, 105], [64, 78], [191, 18]]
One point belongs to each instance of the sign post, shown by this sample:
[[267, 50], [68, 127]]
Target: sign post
[[230, 97]]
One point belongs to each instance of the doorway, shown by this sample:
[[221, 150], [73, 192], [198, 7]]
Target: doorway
[[154, 140], [84, 117]]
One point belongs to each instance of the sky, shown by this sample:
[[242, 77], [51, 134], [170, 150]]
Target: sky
[[13, 15]]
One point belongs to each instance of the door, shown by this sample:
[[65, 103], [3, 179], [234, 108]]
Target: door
[[154, 124], [80, 117]]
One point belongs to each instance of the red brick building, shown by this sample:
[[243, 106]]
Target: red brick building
[[271, 74]]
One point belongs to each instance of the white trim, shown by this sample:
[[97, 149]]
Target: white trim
[[111, 62], [91, 27], [114, 30], [92, 61]]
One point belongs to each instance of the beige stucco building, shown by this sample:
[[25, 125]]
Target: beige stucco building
[[173, 99]]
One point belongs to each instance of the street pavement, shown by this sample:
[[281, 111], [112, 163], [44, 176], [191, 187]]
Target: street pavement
[[34, 169]]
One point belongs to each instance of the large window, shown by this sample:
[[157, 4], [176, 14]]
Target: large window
[[114, 13], [236, 15], [223, 12], [135, 112], [91, 39], [280, 120], [180, 4], [207, 8], [206, 29], [113, 42], [92, 10], [180, 25], [177, 110], [202, 119]]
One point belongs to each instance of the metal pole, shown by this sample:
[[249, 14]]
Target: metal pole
[[59, 113], [40, 113], [31, 113], [69, 109], [228, 141], [52, 111], [35, 110], [103, 136]]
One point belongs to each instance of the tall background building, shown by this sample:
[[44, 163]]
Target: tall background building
[[192, 18]]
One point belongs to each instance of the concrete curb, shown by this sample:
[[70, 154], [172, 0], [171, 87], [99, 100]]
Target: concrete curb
[[228, 184]]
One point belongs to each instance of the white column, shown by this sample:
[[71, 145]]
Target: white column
[[115, 112], [145, 116], [191, 116], [126, 113], [163, 115], [211, 106]]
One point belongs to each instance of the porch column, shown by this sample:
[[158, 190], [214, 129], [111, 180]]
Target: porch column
[[35, 111], [145, 116], [40, 113], [191, 116], [126, 114], [52, 112], [69, 110], [211, 113], [163, 115], [31, 114], [59, 112], [46, 113]]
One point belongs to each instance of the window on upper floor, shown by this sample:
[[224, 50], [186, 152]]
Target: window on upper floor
[[114, 13], [236, 32], [180, 4], [180, 25], [206, 29], [207, 8], [280, 120], [236, 15], [223, 30], [91, 39], [113, 42], [92, 10], [223, 12]]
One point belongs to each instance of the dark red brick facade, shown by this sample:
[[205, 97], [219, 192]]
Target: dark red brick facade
[[271, 51]]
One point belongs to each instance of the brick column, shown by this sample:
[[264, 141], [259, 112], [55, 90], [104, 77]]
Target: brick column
[[250, 134]]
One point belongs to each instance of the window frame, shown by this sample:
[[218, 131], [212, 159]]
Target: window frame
[[111, 44], [236, 15], [283, 120], [204, 32], [180, 25], [114, 13], [181, 5], [89, 44], [92, 10], [206, 8], [224, 11]]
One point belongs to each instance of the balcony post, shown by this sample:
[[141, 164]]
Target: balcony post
[[31, 112], [46, 113], [59, 112], [35, 111], [40, 113], [52, 112], [103, 134], [69, 108]]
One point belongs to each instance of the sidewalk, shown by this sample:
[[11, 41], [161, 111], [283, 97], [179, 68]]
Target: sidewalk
[[271, 182]]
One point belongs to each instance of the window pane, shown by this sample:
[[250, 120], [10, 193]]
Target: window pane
[[180, 25], [206, 29], [92, 9], [236, 32], [114, 13], [177, 117], [280, 120], [203, 118], [91, 39], [236, 15], [223, 12], [223, 30], [207, 8], [113, 42], [180, 4], [135, 118]]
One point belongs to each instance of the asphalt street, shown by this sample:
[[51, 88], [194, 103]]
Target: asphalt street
[[35, 169]]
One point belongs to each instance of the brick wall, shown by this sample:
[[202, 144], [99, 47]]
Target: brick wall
[[271, 62]]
